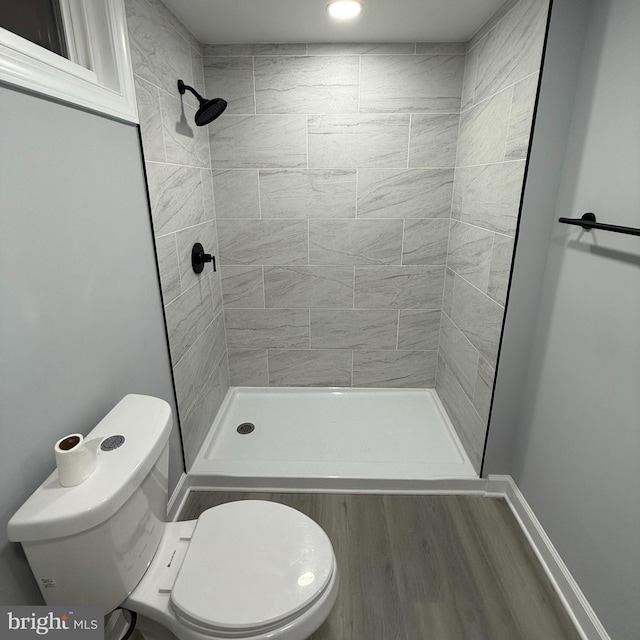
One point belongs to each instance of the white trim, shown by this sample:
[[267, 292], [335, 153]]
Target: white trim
[[178, 497], [76, 30], [108, 89], [586, 621]]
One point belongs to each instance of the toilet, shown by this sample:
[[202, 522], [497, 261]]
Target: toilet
[[248, 570]]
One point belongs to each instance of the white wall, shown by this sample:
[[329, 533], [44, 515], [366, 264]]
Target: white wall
[[576, 445], [81, 320]]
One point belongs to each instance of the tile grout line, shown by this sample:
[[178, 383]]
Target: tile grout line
[[253, 78], [259, 199], [506, 137], [493, 95], [409, 141]]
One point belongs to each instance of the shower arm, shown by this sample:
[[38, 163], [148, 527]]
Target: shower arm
[[182, 87]]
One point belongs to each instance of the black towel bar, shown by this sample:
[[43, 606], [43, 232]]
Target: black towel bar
[[588, 222]]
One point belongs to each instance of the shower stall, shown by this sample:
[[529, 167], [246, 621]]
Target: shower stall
[[362, 203]]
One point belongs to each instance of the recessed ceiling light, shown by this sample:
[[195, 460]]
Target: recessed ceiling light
[[345, 9]]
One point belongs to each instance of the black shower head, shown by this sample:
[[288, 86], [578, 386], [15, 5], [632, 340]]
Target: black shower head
[[209, 109]]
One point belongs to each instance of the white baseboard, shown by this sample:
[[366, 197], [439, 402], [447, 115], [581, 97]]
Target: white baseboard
[[579, 609]]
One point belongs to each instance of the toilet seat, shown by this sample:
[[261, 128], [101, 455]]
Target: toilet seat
[[251, 567]]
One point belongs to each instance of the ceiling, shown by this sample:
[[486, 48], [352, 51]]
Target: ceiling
[[293, 21]]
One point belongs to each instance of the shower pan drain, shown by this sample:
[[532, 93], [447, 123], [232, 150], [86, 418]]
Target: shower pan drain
[[245, 428]]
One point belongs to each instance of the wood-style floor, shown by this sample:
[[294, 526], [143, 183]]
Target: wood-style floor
[[425, 568]]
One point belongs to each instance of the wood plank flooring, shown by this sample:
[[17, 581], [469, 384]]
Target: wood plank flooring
[[425, 567]]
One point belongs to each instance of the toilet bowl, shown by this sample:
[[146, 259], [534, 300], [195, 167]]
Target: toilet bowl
[[249, 570]]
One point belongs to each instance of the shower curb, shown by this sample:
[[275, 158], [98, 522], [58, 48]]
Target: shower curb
[[576, 604]]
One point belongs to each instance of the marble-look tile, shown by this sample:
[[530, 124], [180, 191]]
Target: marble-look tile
[[395, 369], [355, 242], [469, 81], [353, 329], [360, 49], [267, 328], [419, 330], [167, 254], [248, 368], [521, 118], [308, 193], [198, 70], [216, 291], [399, 287], [197, 421], [187, 317], [306, 84], [176, 199], [255, 242], [500, 268], [479, 318], [425, 241], [242, 287], [404, 193], [352, 141], [224, 375], [484, 389], [459, 354], [185, 143], [433, 140], [244, 142], [236, 193], [513, 49], [231, 79], [469, 254], [457, 199], [207, 194], [294, 287], [224, 371], [441, 47], [449, 285], [158, 53], [491, 22], [483, 130], [148, 101], [207, 352], [185, 390], [491, 196], [175, 23], [213, 50], [205, 234], [468, 424], [411, 84], [310, 368]]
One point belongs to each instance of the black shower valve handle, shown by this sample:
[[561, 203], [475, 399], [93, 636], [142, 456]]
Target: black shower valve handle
[[204, 257], [199, 258]]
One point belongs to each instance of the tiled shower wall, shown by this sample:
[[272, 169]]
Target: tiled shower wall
[[179, 177], [333, 173], [333, 170], [500, 84]]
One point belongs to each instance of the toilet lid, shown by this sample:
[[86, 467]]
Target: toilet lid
[[251, 565]]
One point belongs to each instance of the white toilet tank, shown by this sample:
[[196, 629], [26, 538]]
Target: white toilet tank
[[92, 543]]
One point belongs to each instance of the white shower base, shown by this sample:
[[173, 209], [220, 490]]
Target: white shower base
[[331, 438]]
